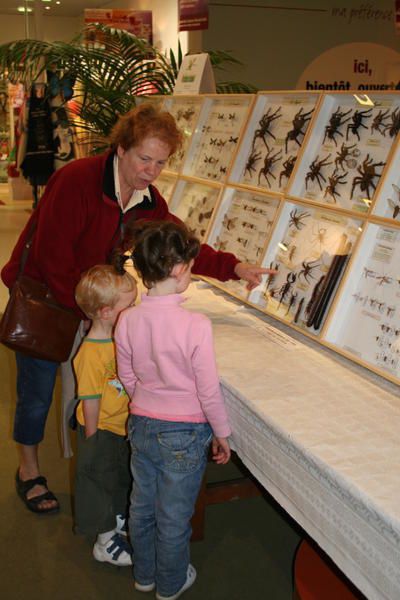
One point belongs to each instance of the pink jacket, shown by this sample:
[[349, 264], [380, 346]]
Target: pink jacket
[[166, 362]]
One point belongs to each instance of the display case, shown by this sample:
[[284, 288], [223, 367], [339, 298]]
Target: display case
[[347, 150], [387, 198], [217, 134], [310, 248], [365, 321], [273, 138], [186, 110], [165, 184], [242, 226], [194, 203]]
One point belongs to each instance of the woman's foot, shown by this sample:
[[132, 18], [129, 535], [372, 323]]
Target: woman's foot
[[35, 494]]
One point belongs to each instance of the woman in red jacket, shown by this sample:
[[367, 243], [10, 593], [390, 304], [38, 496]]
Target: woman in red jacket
[[79, 221]]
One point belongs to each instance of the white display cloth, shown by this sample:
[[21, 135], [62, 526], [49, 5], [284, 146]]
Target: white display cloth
[[321, 438]]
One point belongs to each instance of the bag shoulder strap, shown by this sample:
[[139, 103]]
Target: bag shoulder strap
[[27, 247]]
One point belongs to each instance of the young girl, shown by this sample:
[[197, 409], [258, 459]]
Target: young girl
[[166, 363]]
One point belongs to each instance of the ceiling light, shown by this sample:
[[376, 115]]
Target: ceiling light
[[22, 9], [47, 7]]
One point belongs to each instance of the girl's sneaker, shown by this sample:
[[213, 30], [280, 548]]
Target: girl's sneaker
[[144, 588], [190, 579], [115, 551]]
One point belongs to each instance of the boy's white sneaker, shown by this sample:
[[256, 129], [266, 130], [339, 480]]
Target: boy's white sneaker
[[122, 525], [190, 579], [115, 551]]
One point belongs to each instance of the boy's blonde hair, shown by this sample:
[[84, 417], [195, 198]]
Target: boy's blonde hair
[[101, 286]]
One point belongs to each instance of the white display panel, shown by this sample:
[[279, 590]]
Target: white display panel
[[273, 138], [186, 110], [165, 184], [387, 201], [366, 320], [217, 136], [194, 204], [347, 149], [242, 226], [310, 248]]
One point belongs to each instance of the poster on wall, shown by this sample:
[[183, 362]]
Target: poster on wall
[[137, 22], [356, 66], [193, 15]]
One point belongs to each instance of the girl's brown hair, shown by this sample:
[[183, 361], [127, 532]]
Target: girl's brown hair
[[146, 120], [157, 247]]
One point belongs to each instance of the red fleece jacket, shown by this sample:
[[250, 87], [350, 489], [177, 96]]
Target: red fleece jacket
[[78, 224]]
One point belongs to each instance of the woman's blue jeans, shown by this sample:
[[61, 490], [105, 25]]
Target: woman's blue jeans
[[35, 384], [168, 463]]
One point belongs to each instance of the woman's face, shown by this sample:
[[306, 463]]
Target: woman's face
[[141, 165]]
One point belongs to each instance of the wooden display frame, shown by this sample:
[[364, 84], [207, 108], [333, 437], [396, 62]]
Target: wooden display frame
[[242, 225], [364, 323], [214, 143], [347, 150], [310, 248], [273, 138], [166, 183], [194, 202], [186, 111]]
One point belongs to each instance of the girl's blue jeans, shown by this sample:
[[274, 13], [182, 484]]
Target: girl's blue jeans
[[168, 462], [35, 384]]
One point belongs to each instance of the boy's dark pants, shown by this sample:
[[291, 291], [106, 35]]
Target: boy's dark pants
[[103, 481]]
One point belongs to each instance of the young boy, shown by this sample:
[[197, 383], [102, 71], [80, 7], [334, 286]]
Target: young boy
[[103, 480]]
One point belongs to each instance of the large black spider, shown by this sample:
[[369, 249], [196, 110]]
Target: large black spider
[[357, 121], [265, 124], [300, 119], [314, 174], [297, 218], [269, 162], [336, 120], [367, 175]]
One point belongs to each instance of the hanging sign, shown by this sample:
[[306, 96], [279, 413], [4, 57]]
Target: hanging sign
[[137, 22], [193, 15], [195, 75]]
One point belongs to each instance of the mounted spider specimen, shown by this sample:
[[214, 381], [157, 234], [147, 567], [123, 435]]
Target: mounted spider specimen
[[357, 121], [395, 204], [344, 154], [314, 174], [269, 161], [380, 122], [367, 175], [300, 119], [308, 267], [288, 166], [334, 180], [251, 162], [319, 237], [297, 218], [265, 124], [336, 120], [394, 127]]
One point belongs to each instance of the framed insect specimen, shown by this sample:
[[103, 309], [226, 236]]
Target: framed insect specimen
[[242, 225], [347, 150], [165, 184], [309, 249], [365, 323], [194, 204], [216, 137], [186, 110], [387, 199], [273, 138]]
